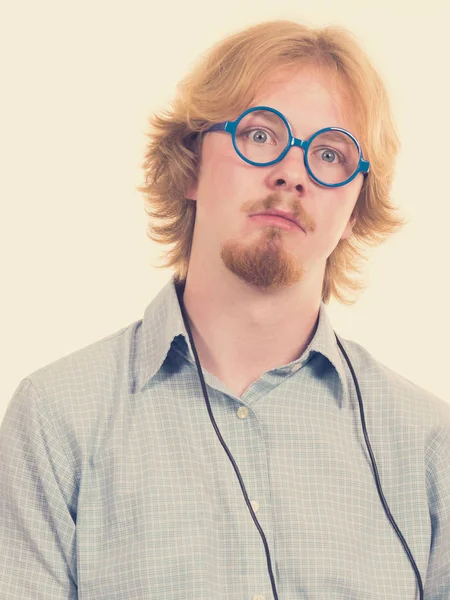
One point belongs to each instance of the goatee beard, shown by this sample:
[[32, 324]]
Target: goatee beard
[[264, 264]]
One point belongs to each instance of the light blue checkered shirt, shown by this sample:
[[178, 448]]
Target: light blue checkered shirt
[[114, 484]]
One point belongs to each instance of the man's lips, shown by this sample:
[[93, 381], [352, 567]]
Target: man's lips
[[280, 213]]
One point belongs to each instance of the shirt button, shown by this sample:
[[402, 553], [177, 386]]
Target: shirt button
[[242, 412], [258, 597], [295, 368], [255, 505]]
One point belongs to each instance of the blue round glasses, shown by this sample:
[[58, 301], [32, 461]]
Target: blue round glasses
[[262, 137]]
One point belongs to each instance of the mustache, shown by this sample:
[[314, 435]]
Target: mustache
[[284, 201]]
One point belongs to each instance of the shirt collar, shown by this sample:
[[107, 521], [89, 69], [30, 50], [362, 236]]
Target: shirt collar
[[163, 322], [324, 342]]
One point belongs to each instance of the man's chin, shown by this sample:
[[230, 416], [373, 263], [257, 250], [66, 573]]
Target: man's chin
[[267, 268]]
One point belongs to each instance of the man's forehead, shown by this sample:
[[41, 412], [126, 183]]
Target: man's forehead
[[316, 83]]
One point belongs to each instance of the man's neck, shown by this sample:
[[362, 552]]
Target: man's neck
[[240, 332]]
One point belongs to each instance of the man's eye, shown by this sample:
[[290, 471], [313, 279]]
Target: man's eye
[[329, 155], [259, 136]]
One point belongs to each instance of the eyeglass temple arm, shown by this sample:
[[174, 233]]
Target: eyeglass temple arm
[[218, 127], [365, 167]]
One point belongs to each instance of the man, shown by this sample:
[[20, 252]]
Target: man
[[219, 448]]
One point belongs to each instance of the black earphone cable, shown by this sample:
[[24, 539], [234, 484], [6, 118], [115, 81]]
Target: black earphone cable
[[377, 477], [225, 447], [238, 474]]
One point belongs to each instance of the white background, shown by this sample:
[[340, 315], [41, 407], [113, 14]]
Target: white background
[[79, 81]]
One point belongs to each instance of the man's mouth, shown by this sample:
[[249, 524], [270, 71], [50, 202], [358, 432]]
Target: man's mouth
[[278, 217]]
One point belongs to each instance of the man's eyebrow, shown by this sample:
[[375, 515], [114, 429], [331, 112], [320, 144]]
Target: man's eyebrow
[[335, 136], [266, 114], [272, 117]]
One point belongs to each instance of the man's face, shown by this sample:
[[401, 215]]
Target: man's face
[[229, 192]]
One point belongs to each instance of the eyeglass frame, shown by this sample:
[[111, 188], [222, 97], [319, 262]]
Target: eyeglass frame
[[231, 127]]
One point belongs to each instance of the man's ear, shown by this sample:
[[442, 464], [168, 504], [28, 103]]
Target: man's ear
[[348, 228], [191, 191]]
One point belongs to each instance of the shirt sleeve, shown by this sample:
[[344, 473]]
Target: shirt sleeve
[[37, 505], [437, 586]]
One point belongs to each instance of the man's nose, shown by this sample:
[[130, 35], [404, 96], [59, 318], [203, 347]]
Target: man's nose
[[290, 173]]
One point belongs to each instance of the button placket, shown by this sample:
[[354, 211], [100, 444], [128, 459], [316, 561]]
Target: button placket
[[243, 412]]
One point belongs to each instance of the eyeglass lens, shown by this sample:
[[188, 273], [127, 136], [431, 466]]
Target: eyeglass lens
[[262, 136]]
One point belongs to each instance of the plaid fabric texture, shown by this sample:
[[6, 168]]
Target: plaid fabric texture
[[114, 486]]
